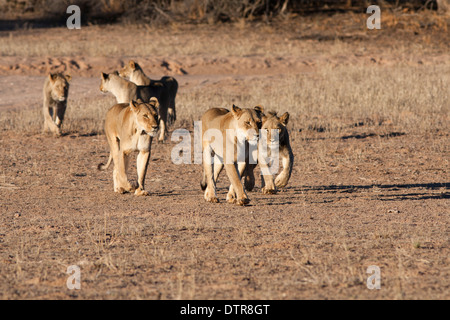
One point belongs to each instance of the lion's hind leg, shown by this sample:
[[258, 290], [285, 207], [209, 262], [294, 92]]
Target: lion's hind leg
[[249, 177], [210, 190]]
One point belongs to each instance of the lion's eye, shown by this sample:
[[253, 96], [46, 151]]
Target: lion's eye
[[145, 116]]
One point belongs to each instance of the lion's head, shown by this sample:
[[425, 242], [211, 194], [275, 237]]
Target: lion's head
[[146, 116], [108, 80], [273, 122], [248, 121], [60, 86], [128, 69]]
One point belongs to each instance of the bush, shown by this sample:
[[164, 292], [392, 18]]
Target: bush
[[194, 11]]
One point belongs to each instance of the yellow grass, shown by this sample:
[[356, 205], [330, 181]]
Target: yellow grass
[[402, 98]]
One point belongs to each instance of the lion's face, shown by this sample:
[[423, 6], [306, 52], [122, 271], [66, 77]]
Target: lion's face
[[104, 83], [107, 79], [247, 124], [60, 86], [274, 127], [128, 70], [146, 116]]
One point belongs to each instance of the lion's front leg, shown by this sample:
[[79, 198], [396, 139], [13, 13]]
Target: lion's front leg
[[231, 196], [121, 183], [210, 191], [162, 121], [236, 193], [249, 177], [60, 112], [142, 165], [288, 161], [267, 180], [269, 186], [49, 125]]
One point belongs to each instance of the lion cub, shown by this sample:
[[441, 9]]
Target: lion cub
[[130, 127], [56, 91]]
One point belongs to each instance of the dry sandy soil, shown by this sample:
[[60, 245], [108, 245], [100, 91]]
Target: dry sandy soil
[[366, 194]]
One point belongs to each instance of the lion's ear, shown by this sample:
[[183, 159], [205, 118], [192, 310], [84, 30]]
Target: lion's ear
[[284, 119], [133, 106], [154, 102], [105, 76], [259, 108], [132, 64], [52, 76], [236, 111], [68, 77]]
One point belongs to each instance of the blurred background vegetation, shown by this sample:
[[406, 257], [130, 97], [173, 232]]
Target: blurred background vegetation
[[197, 11]]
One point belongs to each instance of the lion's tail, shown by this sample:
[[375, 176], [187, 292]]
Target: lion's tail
[[102, 166]]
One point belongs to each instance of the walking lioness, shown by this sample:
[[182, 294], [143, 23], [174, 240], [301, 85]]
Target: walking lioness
[[271, 122], [56, 91], [225, 132], [130, 127], [126, 91]]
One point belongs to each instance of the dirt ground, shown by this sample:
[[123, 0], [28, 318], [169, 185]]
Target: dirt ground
[[365, 196]]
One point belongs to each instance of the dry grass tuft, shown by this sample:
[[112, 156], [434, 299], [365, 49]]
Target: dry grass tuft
[[331, 101], [403, 98]]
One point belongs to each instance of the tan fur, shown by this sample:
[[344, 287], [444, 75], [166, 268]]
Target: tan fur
[[130, 127], [133, 71], [56, 91], [269, 184], [126, 91], [223, 120]]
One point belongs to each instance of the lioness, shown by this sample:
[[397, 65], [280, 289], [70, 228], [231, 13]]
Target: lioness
[[56, 91], [133, 72], [126, 91], [269, 185], [130, 127], [242, 125]]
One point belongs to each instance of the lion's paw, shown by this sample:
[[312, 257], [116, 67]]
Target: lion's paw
[[141, 193], [267, 190], [212, 199], [242, 202]]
